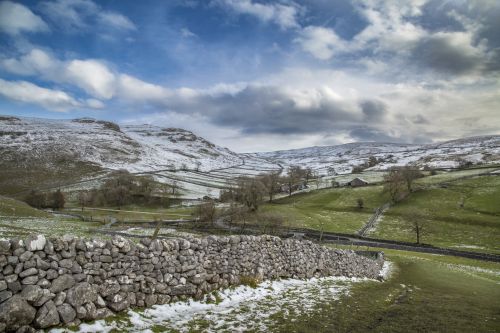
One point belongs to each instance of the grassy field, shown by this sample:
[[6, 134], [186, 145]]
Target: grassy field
[[475, 226], [22, 227], [132, 213], [18, 219], [332, 209], [10, 207], [443, 176], [19, 179], [425, 293]]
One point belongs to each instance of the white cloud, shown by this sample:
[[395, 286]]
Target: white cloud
[[35, 62], [16, 18], [394, 39], [94, 103], [92, 76], [321, 42], [70, 14], [134, 89], [283, 15], [186, 33], [80, 15], [116, 20], [55, 100]]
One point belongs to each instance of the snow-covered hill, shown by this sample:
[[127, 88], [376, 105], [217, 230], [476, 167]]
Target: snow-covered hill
[[44, 154], [342, 158], [137, 148]]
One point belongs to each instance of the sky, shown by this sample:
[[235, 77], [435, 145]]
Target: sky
[[255, 75]]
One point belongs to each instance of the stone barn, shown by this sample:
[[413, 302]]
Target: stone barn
[[356, 182]]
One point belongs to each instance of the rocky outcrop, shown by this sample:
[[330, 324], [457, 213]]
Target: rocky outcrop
[[49, 282]]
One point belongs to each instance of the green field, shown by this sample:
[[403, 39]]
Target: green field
[[475, 226], [426, 293], [132, 213], [333, 209], [14, 208], [443, 176]]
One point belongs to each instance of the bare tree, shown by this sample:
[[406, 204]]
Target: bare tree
[[307, 174], [294, 176], [58, 200], [372, 161], [418, 223], [250, 192], [206, 211], [395, 184], [83, 198], [319, 181], [410, 174], [360, 203], [271, 222], [174, 187], [271, 182], [36, 199]]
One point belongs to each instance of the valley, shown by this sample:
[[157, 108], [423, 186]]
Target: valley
[[182, 186]]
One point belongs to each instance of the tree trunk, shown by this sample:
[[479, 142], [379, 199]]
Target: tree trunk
[[418, 234]]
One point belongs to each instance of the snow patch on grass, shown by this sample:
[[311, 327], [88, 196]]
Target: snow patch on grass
[[236, 309]]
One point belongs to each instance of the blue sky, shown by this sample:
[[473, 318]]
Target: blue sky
[[259, 75]]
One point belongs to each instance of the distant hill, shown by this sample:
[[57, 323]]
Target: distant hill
[[44, 154], [342, 158]]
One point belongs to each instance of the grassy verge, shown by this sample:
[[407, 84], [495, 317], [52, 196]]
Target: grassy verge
[[424, 294]]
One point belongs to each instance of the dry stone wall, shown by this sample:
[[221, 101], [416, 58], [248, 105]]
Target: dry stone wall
[[62, 281]]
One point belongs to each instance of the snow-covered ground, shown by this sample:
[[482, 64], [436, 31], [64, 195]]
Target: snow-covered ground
[[236, 309], [341, 159], [137, 148]]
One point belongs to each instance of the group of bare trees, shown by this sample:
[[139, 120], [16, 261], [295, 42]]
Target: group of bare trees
[[399, 182], [371, 162], [246, 195], [251, 191], [54, 200], [123, 188]]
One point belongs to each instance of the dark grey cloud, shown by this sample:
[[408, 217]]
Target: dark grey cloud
[[420, 120], [368, 134], [258, 109], [373, 110], [365, 133], [441, 52]]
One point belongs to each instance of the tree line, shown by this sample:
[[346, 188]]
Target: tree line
[[123, 188], [53, 200]]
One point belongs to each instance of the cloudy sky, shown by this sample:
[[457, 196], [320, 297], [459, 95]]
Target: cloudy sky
[[257, 75]]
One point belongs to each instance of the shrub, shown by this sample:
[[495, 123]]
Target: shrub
[[360, 202], [251, 281]]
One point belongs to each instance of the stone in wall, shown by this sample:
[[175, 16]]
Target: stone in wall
[[61, 281]]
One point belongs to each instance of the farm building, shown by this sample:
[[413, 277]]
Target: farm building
[[357, 182]]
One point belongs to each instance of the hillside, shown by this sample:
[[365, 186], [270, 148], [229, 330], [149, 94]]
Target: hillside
[[45, 153], [342, 158]]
